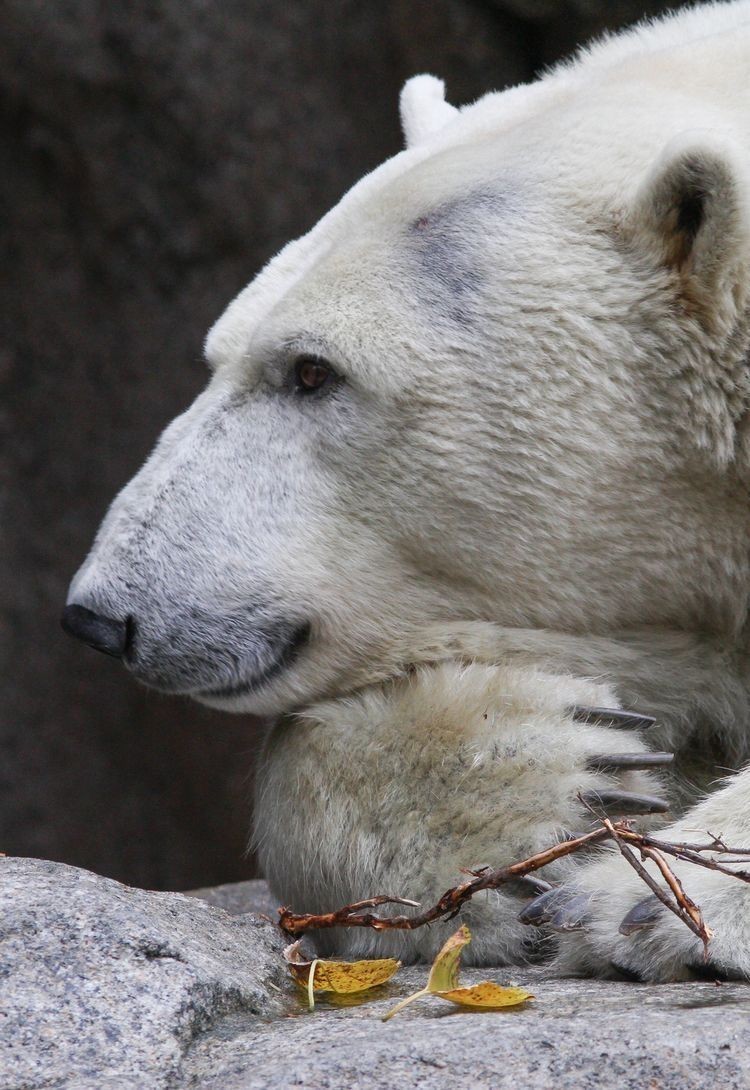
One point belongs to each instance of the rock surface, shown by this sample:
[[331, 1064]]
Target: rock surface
[[110, 988], [107, 986], [576, 1035], [238, 897]]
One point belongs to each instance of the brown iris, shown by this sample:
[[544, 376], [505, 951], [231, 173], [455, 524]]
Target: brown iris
[[312, 373]]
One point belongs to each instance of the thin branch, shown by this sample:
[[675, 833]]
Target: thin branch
[[680, 910], [682, 905], [688, 906], [621, 832], [691, 853], [449, 904]]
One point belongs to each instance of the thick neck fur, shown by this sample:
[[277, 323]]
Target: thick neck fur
[[697, 686]]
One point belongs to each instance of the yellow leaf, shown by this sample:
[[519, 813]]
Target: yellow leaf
[[488, 995], [353, 976], [443, 982], [340, 977], [444, 971]]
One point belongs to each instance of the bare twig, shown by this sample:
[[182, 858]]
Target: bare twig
[[682, 905], [687, 905], [684, 908], [621, 832], [691, 853], [448, 905]]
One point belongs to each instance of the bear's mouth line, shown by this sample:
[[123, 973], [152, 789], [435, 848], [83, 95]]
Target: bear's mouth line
[[285, 653]]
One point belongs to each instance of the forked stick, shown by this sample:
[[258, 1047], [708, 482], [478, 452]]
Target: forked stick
[[449, 904], [621, 832]]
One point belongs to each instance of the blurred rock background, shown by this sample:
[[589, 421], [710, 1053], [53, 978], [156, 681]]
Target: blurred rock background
[[154, 155]]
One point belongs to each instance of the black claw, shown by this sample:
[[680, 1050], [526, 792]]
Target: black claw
[[573, 915], [611, 717], [543, 908], [527, 885], [624, 802], [612, 762], [561, 909], [533, 885], [540, 909], [641, 916]]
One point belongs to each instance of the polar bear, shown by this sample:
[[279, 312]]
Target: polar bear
[[465, 503]]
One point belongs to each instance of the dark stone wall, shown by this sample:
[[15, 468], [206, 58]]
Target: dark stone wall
[[154, 155]]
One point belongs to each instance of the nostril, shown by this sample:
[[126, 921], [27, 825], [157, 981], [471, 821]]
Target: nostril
[[104, 633]]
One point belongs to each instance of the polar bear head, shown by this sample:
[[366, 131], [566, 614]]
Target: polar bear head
[[504, 380]]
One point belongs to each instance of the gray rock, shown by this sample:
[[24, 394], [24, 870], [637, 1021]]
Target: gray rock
[[110, 988], [576, 1035], [107, 986], [238, 897]]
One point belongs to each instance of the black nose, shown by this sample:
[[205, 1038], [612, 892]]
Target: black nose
[[103, 633]]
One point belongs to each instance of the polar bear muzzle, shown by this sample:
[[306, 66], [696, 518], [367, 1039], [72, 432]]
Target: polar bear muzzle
[[267, 654]]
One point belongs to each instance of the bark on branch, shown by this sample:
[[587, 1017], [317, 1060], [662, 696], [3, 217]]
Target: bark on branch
[[620, 832]]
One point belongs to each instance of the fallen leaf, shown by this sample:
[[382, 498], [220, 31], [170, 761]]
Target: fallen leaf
[[444, 971], [488, 995], [443, 982], [340, 977]]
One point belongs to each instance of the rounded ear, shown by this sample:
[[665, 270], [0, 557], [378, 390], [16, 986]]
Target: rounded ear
[[691, 212], [423, 108]]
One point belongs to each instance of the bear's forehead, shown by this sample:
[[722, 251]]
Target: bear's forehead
[[426, 206], [378, 286]]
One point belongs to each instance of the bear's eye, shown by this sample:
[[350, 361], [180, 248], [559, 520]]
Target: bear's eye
[[312, 373]]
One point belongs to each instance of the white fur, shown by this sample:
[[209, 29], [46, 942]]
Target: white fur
[[398, 787], [669, 950], [530, 481]]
